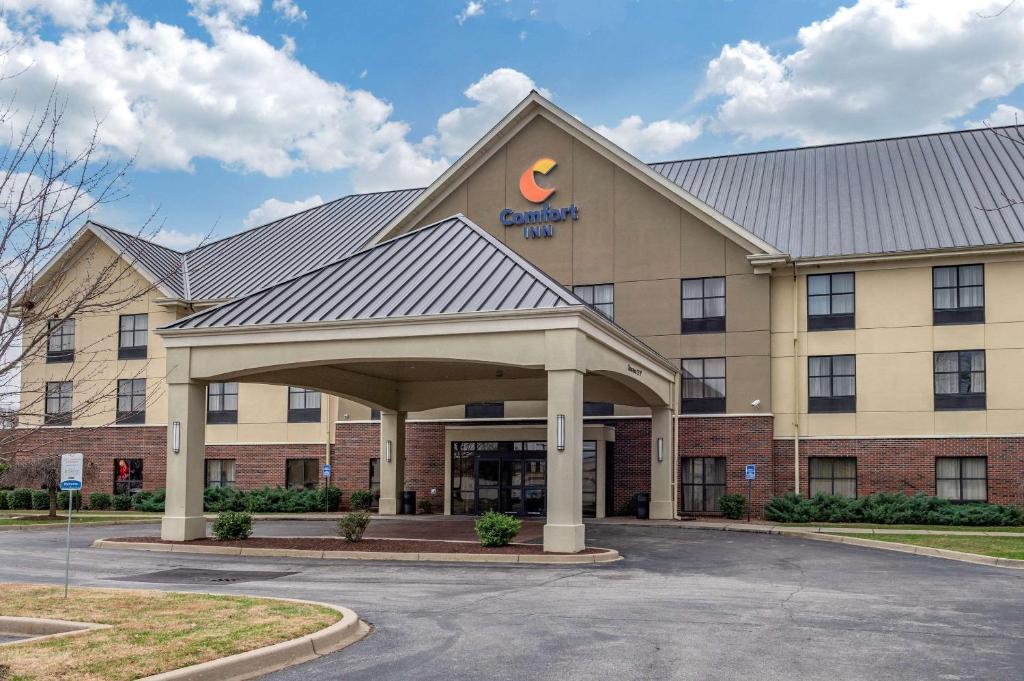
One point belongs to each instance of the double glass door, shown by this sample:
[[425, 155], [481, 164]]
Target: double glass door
[[513, 483]]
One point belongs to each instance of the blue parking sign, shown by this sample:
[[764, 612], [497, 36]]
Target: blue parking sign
[[327, 470], [751, 471]]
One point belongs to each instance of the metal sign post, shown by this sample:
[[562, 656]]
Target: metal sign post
[[71, 466], [751, 473], [327, 483]]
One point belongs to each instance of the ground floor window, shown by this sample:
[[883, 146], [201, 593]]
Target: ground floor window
[[961, 478], [220, 472], [375, 480], [127, 476], [703, 483], [302, 473], [832, 475]]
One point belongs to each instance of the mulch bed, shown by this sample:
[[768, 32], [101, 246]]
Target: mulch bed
[[381, 545]]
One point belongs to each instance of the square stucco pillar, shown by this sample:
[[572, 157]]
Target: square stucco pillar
[[564, 530], [183, 508], [392, 473], [661, 471]]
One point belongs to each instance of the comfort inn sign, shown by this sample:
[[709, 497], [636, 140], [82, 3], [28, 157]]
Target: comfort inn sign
[[538, 223]]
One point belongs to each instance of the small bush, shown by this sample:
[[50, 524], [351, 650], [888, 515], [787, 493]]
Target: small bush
[[20, 499], [3, 500], [121, 502], [333, 498], [62, 501], [232, 525], [885, 508], [360, 500], [99, 501], [732, 505], [497, 529], [426, 506], [40, 500], [149, 502], [352, 525]]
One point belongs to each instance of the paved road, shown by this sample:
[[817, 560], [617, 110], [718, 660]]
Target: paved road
[[685, 604]]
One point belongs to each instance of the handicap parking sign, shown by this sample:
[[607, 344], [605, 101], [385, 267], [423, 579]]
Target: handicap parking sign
[[751, 471]]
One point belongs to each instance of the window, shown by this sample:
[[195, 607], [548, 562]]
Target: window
[[222, 403], [830, 301], [704, 305], [131, 400], [703, 483], [60, 344], [601, 297], [127, 476], [598, 409], [220, 472], [303, 405], [375, 414], [58, 403], [958, 294], [960, 380], [485, 410], [302, 473], [132, 336], [831, 384], [375, 480], [962, 478], [703, 385], [832, 476]]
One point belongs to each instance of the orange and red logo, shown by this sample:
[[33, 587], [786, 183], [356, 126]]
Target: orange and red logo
[[528, 186]]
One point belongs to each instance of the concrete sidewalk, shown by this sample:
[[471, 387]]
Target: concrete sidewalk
[[776, 528]]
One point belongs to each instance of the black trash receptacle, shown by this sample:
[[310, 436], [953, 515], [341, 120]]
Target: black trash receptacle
[[643, 506], [409, 503]]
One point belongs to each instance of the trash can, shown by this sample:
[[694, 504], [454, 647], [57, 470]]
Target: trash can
[[643, 506], [409, 503]]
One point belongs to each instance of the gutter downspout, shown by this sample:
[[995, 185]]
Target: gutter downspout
[[675, 446], [796, 381]]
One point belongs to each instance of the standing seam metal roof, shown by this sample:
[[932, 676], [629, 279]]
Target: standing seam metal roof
[[164, 263]]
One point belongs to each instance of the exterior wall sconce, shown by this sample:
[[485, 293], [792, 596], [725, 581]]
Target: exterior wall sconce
[[387, 450], [176, 437], [560, 432], [661, 449]]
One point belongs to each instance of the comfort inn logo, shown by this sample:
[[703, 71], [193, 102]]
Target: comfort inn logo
[[537, 223]]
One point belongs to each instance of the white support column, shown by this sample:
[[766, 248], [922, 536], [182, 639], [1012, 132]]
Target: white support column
[[564, 530], [661, 471], [392, 473], [183, 508]]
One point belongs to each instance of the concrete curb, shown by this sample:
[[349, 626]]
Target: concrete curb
[[606, 555], [36, 629], [253, 663]]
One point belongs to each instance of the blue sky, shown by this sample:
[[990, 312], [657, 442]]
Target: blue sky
[[241, 111]]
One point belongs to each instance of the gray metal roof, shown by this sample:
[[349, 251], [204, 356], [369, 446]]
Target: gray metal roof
[[449, 267], [882, 196], [162, 262]]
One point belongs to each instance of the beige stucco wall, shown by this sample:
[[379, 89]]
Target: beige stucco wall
[[894, 341]]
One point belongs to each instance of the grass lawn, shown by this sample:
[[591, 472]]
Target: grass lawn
[[153, 631], [958, 528], [10, 517], [1000, 547]]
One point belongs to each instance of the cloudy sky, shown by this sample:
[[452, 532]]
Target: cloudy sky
[[241, 111]]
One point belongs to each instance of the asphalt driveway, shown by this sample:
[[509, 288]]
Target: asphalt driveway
[[684, 604]]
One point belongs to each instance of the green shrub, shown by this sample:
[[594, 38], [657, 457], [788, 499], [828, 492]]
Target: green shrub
[[497, 529], [3, 500], [426, 506], [333, 498], [62, 500], [40, 500], [149, 502], [732, 505], [121, 502], [99, 501], [217, 499], [886, 508], [360, 500], [352, 525], [232, 525], [20, 499]]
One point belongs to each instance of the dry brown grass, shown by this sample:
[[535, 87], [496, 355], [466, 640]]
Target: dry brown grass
[[153, 631]]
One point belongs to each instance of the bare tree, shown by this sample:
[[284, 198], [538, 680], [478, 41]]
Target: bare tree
[[39, 471]]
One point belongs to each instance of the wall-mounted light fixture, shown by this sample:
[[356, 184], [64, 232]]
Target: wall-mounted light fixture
[[661, 449], [387, 450], [560, 432], [176, 437]]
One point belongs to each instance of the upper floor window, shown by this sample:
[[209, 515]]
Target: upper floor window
[[960, 380], [485, 410], [704, 305], [57, 410], [222, 403], [601, 297], [60, 344], [958, 294], [830, 301], [131, 400], [133, 336], [961, 478], [831, 384], [303, 405], [703, 385]]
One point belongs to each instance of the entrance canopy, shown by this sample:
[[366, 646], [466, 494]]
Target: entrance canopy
[[443, 315]]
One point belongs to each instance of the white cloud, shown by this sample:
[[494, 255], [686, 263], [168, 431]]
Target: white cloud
[[522, 35], [75, 14], [880, 67], [1003, 114], [473, 8], [657, 137], [289, 10], [273, 209], [179, 241]]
